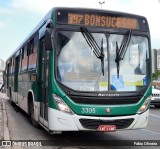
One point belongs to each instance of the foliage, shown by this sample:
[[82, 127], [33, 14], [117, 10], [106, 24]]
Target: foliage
[[156, 75]]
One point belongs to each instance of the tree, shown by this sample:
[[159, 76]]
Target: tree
[[156, 75]]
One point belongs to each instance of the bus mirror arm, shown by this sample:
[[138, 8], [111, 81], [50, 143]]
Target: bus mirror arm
[[48, 34]]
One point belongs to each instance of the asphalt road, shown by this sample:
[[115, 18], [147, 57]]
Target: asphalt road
[[21, 129]]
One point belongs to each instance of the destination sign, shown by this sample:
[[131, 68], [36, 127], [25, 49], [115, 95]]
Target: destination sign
[[102, 21]]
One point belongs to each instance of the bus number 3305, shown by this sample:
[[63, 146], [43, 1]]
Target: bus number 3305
[[88, 110]]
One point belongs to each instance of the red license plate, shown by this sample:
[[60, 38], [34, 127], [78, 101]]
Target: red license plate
[[107, 128]]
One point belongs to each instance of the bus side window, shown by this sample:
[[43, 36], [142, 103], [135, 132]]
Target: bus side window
[[20, 63], [13, 64], [10, 66], [24, 59], [33, 53], [31, 46], [36, 41]]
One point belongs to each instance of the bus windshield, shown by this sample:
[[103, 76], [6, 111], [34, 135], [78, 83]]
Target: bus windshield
[[78, 67]]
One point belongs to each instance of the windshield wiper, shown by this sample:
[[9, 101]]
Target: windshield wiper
[[102, 57], [94, 46], [120, 52]]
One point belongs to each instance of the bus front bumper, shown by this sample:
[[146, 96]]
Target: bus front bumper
[[59, 121]]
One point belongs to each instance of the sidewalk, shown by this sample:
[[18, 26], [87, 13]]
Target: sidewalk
[[4, 132]]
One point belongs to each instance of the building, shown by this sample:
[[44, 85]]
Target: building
[[158, 59], [155, 60], [2, 65]]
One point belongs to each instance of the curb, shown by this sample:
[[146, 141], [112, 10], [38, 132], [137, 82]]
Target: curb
[[5, 121], [1, 121], [5, 125]]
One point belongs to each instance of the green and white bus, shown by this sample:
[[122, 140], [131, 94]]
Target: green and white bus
[[83, 70]]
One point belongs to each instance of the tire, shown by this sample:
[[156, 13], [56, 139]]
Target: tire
[[157, 106], [10, 97], [32, 118]]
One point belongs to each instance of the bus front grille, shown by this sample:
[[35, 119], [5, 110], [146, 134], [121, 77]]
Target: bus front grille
[[105, 101], [94, 123]]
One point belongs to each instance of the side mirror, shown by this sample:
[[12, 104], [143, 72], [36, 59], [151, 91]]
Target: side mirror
[[48, 38]]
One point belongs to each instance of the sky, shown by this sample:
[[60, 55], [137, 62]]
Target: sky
[[19, 17]]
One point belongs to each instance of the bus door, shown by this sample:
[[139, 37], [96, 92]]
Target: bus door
[[44, 85]]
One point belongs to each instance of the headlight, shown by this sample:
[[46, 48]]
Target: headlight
[[62, 106], [144, 106]]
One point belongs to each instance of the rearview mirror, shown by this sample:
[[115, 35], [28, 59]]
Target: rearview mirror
[[48, 38]]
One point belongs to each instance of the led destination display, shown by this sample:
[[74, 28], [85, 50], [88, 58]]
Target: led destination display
[[102, 21]]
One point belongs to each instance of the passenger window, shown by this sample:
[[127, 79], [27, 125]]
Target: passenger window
[[24, 60], [13, 65], [22, 52], [36, 40], [33, 53], [31, 45], [25, 51], [10, 66]]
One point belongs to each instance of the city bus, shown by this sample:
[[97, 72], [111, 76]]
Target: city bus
[[83, 70]]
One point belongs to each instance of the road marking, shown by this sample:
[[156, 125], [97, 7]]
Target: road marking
[[154, 115], [151, 131]]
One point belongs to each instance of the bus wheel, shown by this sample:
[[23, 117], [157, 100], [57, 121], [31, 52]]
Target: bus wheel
[[32, 118], [157, 106], [10, 97]]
